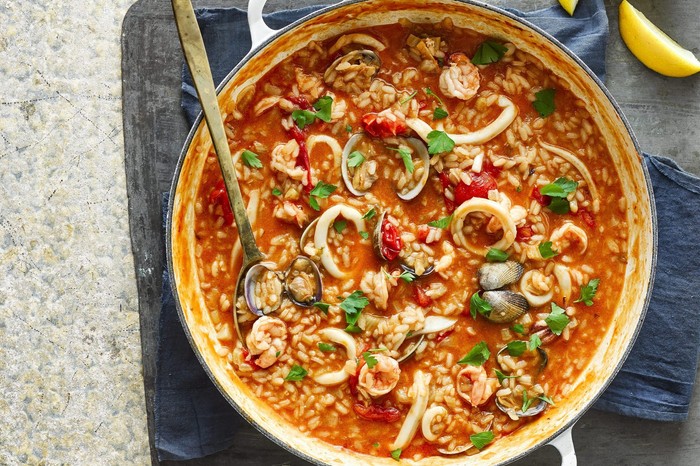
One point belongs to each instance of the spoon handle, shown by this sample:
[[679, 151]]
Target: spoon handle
[[196, 57]]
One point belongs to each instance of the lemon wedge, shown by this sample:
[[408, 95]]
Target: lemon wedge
[[569, 6], [653, 47]]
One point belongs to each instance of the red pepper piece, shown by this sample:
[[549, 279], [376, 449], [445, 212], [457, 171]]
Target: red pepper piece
[[381, 126], [423, 232], [303, 160], [443, 335], [481, 184], [421, 298], [391, 240], [539, 197], [377, 412], [247, 357], [490, 168], [524, 233], [219, 196], [587, 217], [300, 101]]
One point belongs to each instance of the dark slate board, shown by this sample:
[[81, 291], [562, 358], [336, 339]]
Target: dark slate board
[[155, 129]]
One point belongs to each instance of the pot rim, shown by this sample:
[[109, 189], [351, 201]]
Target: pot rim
[[475, 3]]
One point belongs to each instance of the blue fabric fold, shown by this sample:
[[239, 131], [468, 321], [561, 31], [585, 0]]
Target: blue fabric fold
[[656, 382]]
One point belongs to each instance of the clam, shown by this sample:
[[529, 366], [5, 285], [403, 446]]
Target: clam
[[302, 282], [506, 305], [363, 63], [542, 330], [432, 324], [265, 288], [506, 402], [358, 180], [495, 275], [309, 230]]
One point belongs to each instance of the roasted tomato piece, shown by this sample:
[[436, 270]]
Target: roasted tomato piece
[[391, 240], [524, 233], [382, 125], [376, 412], [219, 196], [539, 197], [420, 296], [587, 217], [482, 183], [423, 232], [445, 181]]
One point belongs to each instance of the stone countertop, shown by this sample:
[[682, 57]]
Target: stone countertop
[[70, 354]]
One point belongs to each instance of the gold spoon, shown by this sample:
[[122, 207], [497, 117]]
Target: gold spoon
[[196, 58]]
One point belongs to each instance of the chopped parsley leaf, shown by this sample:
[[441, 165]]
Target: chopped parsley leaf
[[326, 347], [303, 118], [405, 156], [588, 292], [375, 444], [439, 113], [348, 128], [518, 328], [369, 359], [481, 439], [442, 223], [369, 214], [408, 277], [527, 402], [489, 52], [353, 305], [323, 108], [546, 399], [364, 234], [251, 159], [277, 354], [276, 192], [544, 102], [477, 304], [561, 187], [516, 348], [296, 373], [534, 342], [477, 355], [559, 205], [546, 250], [557, 320], [322, 306], [339, 225], [496, 255], [320, 191], [355, 159], [396, 454], [501, 376], [408, 97], [430, 92], [439, 142]]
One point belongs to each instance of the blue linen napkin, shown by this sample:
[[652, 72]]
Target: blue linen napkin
[[656, 382]]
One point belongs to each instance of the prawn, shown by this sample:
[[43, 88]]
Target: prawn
[[461, 80], [478, 387], [381, 378], [267, 340]]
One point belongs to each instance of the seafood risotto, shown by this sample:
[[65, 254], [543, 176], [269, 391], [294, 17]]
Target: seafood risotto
[[444, 235]]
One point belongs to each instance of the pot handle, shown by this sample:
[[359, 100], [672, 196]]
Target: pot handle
[[565, 444], [259, 31]]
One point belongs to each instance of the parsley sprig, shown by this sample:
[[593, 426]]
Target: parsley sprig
[[558, 192], [251, 159], [439, 142], [489, 52], [477, 355], [481, 439], [479, 305], [557, 320], [323, 107], [405, 156], [546, 250], [321, 191], [588, 292], [353, 306], [296, 373], [355, 159], [442, 223], [496, 255], [544, 102]]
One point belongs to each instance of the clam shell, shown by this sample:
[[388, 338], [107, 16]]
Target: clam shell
[[495, 275], [507, 305], [310, 267]]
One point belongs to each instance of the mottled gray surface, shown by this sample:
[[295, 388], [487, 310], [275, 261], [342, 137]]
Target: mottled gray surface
[[69, 344], [70, 359]]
